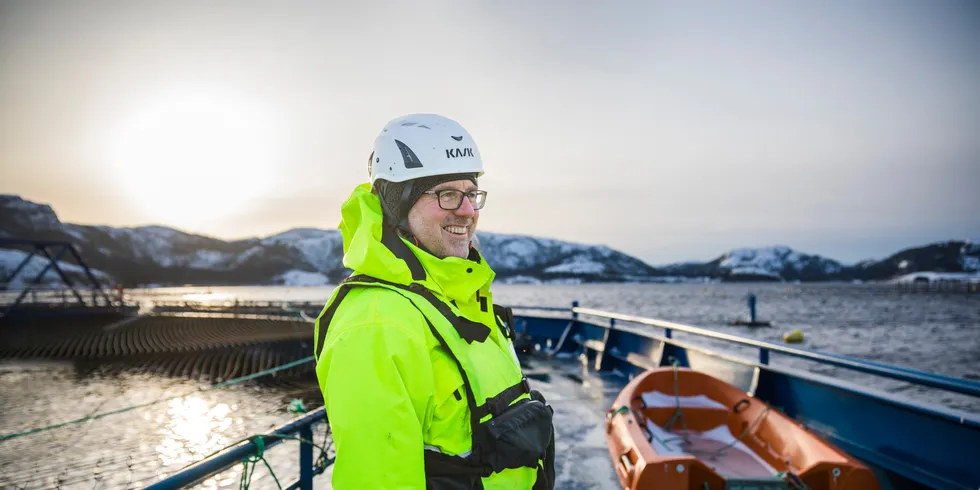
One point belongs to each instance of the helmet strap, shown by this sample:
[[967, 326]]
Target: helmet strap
[[404, 206]]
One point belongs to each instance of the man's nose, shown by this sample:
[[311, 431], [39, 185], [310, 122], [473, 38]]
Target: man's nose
[[465, 208]]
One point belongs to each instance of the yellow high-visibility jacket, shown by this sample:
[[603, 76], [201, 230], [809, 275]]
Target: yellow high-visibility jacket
[[390, 388]]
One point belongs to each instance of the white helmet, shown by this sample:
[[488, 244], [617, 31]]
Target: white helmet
[[423, 145]]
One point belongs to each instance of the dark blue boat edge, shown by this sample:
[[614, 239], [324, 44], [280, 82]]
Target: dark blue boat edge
[[936, 443]]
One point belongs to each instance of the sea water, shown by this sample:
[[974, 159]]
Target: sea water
[[184, 421]]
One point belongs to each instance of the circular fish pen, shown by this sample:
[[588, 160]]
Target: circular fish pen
[[211, 347], [165, 377]]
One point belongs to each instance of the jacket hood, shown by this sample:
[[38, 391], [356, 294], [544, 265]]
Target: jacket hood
[[366, 253]]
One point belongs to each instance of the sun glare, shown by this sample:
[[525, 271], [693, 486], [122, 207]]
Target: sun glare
[[193, 431], [193, 158]]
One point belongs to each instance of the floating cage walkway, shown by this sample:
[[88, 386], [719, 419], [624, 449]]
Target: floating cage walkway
[[209, 346]]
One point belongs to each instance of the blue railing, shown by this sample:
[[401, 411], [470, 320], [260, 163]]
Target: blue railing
[[914, 445], [301, 428], [962, 386]]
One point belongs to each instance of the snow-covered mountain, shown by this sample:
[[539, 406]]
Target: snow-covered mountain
[[302, 256], [776, 263], [12, 259], [781, 263], [155, 254], [948, 256], [324, 249], [309, 256], [519, 257]]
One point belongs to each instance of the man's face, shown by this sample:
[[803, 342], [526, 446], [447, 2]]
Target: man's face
[[444, 233]]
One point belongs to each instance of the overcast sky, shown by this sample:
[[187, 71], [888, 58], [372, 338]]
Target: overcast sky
[[667, 130]]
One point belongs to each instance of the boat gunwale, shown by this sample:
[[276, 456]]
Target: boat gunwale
[[918, 406], [948, 383], [957, 385], [612, 339]]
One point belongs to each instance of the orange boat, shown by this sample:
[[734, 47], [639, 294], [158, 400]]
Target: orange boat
[[673, 428]]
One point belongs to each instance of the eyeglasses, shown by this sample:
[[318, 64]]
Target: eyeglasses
[[452, 199]]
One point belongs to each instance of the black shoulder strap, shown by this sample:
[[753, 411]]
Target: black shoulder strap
[[496, 405], [390, 239], [327, 316], [505, 315], [469, 330]]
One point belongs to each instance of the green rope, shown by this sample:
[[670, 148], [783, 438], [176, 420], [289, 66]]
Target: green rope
[[261, 373], [252, 460], [242, 379]]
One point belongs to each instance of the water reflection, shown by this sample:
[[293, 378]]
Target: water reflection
[[209, 297], [192, 430]]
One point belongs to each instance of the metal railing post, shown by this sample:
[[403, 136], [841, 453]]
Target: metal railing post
[[764, 356], [574, 313], [306, 458], [601, 360]]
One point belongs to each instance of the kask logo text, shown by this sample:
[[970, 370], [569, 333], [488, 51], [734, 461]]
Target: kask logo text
[[459, 152]]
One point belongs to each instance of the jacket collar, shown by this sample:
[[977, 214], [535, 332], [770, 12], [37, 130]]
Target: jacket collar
[[374, 249]]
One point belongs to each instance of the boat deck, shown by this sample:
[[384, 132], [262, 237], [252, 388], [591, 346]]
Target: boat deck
[[580, 400]]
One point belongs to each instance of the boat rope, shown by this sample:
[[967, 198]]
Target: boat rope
[[721, 451], [242, 379], [679, 415]]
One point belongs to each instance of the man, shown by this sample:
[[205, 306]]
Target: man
[[420, 380]]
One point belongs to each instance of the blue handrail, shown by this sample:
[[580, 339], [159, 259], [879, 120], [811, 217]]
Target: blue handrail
[[956, 385], [303, 427], [539, 308]]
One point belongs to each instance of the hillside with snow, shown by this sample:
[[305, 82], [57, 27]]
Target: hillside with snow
[[952, 256], [307, 256], [521, 257], [303, 256], [781, 263], [12, 259], [776, 263]]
